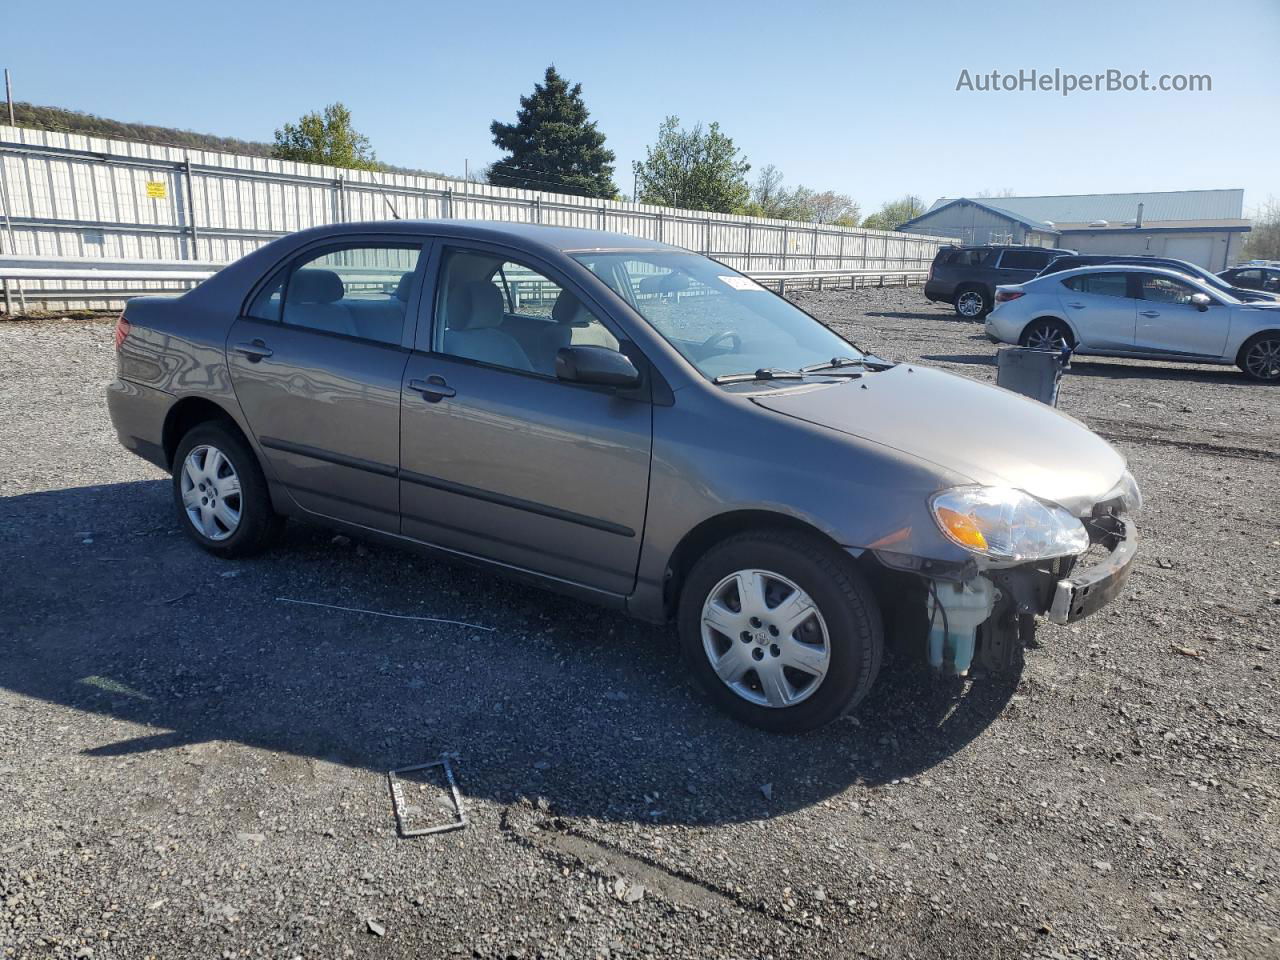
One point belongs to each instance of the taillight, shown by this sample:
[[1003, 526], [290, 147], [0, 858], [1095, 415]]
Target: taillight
[[122, 330], [1004, 296]]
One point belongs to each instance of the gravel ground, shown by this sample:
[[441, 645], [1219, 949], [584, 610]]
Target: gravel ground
[[190, 767]]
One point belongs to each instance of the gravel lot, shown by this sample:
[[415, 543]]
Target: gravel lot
[[190, 767]]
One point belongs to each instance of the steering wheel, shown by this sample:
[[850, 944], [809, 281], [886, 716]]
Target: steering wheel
[[731, 335]]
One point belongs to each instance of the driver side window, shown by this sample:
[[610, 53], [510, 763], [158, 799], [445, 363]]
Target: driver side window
[[505, 314], [1165, 289]]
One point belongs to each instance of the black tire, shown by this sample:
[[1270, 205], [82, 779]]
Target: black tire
[[258, 524], [970, 298], [846, 603], [1259, 358], [1038, 332]]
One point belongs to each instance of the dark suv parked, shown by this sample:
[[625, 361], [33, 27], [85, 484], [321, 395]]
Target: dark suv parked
[[1253, 278], [1223, 283], [967, 277]]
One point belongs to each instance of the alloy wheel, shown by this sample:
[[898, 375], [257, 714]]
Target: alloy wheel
[[1263, 360], [765, 638], [1046, 336], [211, 492], [969, 304]]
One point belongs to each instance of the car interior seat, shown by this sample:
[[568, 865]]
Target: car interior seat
[[473, 316]]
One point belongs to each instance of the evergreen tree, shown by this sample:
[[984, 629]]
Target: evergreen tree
[[553, 145]]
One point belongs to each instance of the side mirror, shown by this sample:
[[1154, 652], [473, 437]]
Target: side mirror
[[599, 365], [1201, 301]]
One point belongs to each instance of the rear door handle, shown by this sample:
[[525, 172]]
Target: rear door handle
[[255, 351], [433, 389], [1076, 306], [1151, 313]]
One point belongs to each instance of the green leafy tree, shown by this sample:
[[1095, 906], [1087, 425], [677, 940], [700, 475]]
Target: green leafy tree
[[1263, 241], [553, 145], [698, 169], [326, 137], [894, 213]]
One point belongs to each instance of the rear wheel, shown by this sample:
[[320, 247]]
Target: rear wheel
[[1260, 357], [972, 303], [1047, 334], [780, 629], [221, 494]]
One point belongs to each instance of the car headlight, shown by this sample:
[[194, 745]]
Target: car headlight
[[1007, 524], [1127, 492]]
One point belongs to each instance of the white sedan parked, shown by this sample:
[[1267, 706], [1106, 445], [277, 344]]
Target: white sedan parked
[[1148, 312]]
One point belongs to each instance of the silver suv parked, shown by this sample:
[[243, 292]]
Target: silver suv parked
[[633, 424]]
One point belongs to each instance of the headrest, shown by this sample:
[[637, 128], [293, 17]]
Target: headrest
[[311, 285], [402, 288], [478, 306], [568, 309]]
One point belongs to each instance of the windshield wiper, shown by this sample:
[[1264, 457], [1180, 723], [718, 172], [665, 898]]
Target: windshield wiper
[[833, 364], [764, 373]]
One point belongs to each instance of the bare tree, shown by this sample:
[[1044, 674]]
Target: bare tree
[[1263, 241]]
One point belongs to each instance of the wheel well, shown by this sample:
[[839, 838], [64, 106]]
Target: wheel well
[[187, 413], [712, 531], [972, 285], [1249, 342]]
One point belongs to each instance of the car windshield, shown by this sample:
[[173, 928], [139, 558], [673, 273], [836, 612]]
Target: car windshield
[[721, 321]]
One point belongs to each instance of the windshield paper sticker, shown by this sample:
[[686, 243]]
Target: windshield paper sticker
[[740, 283]]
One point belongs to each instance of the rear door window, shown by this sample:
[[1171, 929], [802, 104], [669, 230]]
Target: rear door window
[[359, 289], [1099, 284]]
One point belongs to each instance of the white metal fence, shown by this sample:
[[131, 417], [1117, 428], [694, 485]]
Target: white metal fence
[[63, 195]]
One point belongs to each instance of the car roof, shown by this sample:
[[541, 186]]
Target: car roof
[[1120, 268], [545, 236], [1003, 246]]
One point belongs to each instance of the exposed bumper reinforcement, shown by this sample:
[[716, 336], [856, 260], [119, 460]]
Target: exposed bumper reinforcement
[[1076, 597]]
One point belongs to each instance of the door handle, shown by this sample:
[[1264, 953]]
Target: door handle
[[1076, 306], [433, 389], [255, 351], [1151, 313]]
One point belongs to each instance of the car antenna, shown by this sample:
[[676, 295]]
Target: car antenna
[[387, 201]]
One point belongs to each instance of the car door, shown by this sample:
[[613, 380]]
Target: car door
[[1169, 323], [1101, 308], [499, 458], [317, 362]]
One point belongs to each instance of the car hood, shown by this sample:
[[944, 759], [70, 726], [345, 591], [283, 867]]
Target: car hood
[[988, 434]]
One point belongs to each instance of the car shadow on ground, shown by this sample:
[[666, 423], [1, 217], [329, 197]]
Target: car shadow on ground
[[947, 316], [542, 697], [1117, 369]]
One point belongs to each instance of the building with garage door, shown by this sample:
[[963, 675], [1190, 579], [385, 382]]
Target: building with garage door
[[1204, 226]]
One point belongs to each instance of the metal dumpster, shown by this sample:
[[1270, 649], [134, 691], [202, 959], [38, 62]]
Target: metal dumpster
[[1032, 373]]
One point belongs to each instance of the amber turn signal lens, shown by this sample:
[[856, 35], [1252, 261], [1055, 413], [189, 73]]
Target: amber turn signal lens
[[962, 529]]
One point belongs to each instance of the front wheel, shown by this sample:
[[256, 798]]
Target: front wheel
[[781, 630], [1260, 357], [220, 492]]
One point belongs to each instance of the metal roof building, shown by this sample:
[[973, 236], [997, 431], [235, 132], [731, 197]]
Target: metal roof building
[[1204, 226]]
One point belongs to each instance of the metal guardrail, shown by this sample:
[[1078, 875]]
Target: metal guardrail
[[109, 272]]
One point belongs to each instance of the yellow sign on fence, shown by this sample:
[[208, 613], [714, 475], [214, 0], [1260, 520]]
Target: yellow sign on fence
[[157, 189]]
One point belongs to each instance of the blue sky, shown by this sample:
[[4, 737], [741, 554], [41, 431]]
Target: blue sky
[[861, 99]]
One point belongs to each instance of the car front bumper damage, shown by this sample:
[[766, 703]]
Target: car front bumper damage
[[987, 617]]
